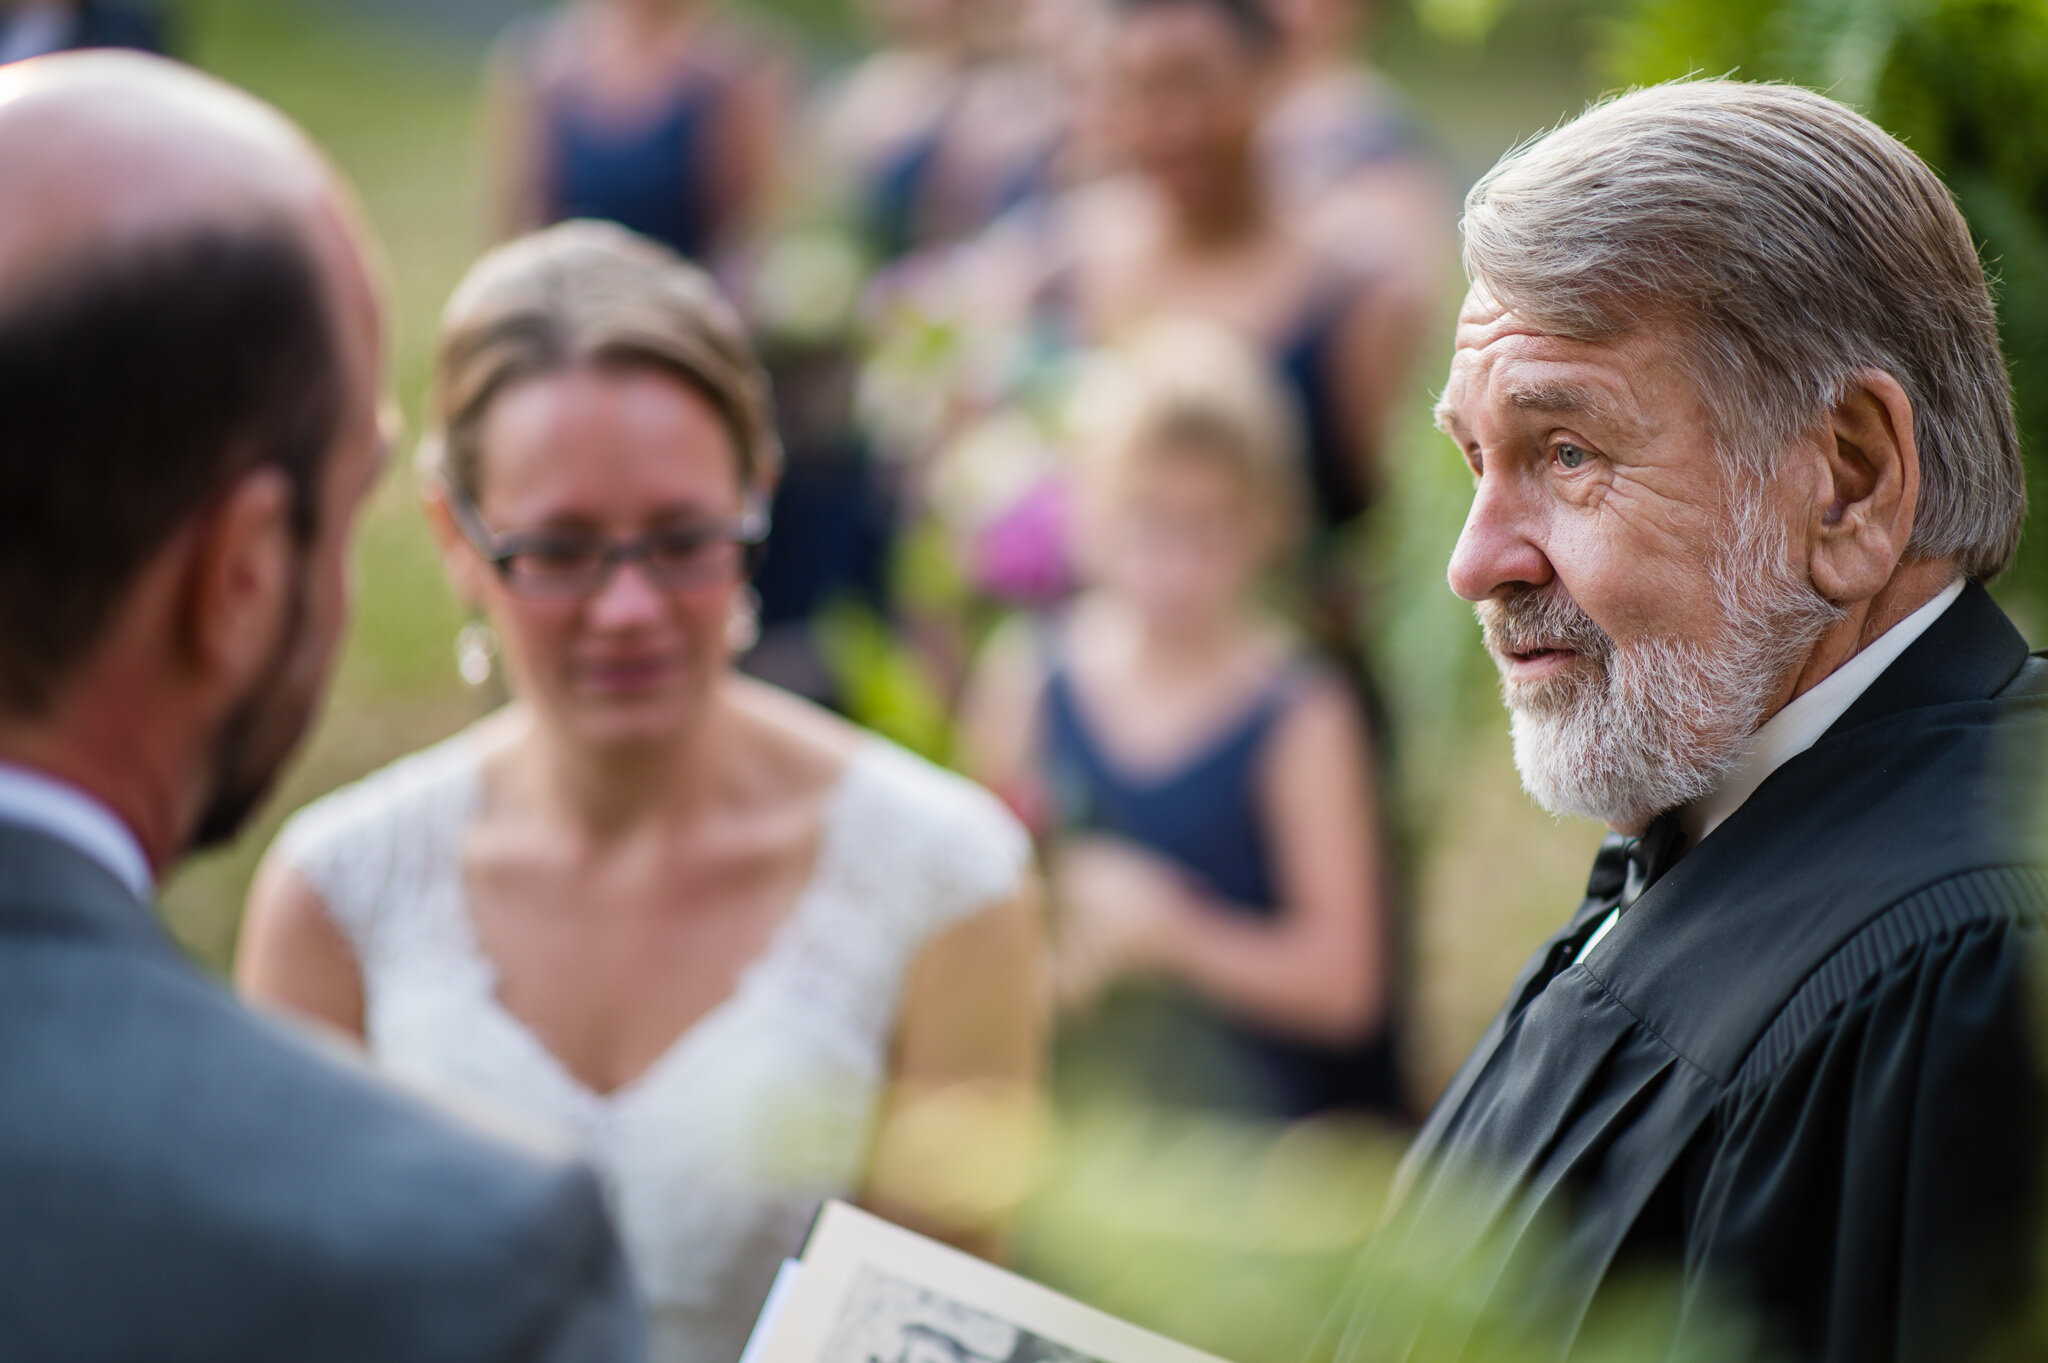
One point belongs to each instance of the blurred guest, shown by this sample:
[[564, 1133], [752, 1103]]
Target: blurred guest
[[952, 122], [1205, 783], [1340, 144], [835, 512], [191, 360], [660, 115], [37, 28], [1194, 230], [706, 931]]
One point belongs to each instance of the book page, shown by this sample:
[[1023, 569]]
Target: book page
[[872, 1292]]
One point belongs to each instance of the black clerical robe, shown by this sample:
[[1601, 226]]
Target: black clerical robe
[[1800, 1070]]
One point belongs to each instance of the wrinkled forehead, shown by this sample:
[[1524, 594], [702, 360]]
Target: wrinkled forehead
[[1503, 364]]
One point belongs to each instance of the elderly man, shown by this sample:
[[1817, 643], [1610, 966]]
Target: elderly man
[[1729, 385], [191, 359]]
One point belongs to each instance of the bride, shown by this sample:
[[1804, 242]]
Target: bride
[[741, 953]]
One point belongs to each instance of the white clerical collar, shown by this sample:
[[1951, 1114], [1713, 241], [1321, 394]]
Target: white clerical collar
[[68, 814], [1800, 724]]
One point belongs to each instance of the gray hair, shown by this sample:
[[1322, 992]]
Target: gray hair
[[1791, 243]]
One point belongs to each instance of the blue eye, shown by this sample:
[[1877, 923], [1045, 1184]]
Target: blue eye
[[1571, 456]]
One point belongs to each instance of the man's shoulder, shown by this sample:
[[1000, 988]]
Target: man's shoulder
[[1946, 954], [92, 1033], [231, 1180], [1883, 841]]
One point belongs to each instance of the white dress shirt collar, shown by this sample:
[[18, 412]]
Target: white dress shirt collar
[[66, 813], [1800, 724]]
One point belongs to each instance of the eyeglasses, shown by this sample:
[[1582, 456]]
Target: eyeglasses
[[562, 564]]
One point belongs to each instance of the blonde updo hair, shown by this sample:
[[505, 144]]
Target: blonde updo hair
[[589, 293], [1180, 387]]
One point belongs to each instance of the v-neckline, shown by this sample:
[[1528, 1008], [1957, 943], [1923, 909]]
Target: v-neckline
[[488, 977], [1215, 739]]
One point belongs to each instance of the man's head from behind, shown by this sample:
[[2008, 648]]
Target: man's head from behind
[[190, 360], [1729, 379]]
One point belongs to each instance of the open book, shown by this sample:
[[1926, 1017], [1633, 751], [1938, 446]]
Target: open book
[[867, 1291]]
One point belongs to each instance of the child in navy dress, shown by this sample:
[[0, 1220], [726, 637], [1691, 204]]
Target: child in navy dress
[[1203, 783]]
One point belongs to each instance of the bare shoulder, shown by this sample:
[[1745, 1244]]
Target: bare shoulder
[[804, 746], [806, 742], [397, 804], [1116, 214], [996, 738], [1094, 628], [294, 954], [1324, 718], [1112, 231], [884, 99], [534, 52]]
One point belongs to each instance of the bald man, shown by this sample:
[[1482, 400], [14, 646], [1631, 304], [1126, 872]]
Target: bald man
[[191, 362]]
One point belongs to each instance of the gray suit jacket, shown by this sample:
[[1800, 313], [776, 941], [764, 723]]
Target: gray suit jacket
[[183, 1179]]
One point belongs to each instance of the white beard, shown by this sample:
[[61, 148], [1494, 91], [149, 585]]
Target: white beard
[[1629, 732]]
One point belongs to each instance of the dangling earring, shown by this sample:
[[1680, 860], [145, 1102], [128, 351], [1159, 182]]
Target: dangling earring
[[476, 649], [743, 627]]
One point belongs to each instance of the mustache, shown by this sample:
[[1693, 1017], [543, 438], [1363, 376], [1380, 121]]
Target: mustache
[[1540, 618]]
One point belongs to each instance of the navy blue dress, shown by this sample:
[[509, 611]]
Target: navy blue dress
[[1306, 361], [899, 212], [654, 175], [1161, 1042]]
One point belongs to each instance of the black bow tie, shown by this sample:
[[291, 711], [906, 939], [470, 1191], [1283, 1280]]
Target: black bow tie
[[1623, 870], [1625, 867]]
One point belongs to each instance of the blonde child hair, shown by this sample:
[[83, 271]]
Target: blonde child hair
[[1187, 388]]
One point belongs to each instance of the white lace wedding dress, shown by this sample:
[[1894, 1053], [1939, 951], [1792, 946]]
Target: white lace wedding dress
[[716, 1158]]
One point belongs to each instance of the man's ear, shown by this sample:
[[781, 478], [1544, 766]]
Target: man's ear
[[1867, 490], [241, 579]]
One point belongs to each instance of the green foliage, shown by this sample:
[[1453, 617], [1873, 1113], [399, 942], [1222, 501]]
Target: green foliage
[[1233, 1236], [1962, 82], [1423, 642], [1460, 21], [1666, 39], [1256, 1243], [882, 682], [1967, 88]]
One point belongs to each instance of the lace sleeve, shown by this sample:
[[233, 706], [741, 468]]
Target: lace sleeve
[[325, 842], [990, 855], [384, 839], [974, 852]]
